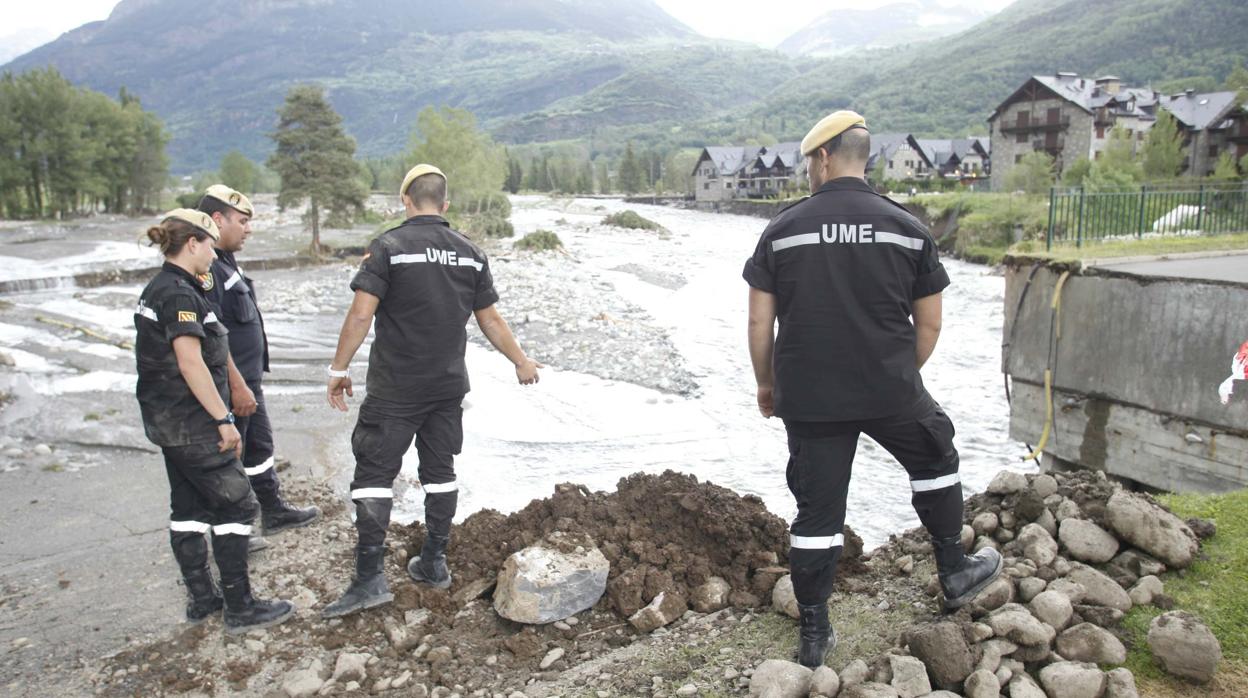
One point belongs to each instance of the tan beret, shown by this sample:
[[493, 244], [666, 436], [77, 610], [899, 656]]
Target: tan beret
[[418, 171], [830, 127], [231, 198], [198, 219]]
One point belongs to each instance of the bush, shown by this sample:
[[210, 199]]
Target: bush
[[488, 225], [989, 220], [190, 199], [494, 203], [631, 219], [540, 241]]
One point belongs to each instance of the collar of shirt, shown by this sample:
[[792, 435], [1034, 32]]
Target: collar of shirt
[[227, 258], [426, 219], [846, 184], [171, 267]]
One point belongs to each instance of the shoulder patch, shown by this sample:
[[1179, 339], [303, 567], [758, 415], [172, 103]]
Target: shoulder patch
[[207, 281], [187, 316]]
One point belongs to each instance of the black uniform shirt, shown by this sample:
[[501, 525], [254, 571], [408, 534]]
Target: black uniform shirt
[[845, 266], [233, 297], [429, 279], [173, 305]]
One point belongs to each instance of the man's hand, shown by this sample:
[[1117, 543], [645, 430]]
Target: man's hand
[[334, 391], [230, 440], [242, 400], [526, 372], [766, 401]]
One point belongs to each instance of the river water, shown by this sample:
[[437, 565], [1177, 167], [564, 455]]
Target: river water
[[594, 429]]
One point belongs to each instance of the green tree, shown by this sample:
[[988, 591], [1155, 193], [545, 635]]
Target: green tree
[[1032, 174], [632, 177], [449, 139], [1225, 170], [515, 175], [1162, 153], [602, 175], [1117, 168], [238, 172], [1237, 80], [1078, 171], [315, 159]]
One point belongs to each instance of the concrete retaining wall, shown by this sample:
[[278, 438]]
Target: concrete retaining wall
[[1135, 372]]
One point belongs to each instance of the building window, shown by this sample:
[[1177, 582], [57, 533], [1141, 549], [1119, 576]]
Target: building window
[[1100, 131], [1213, 151], [1019, 158], [1020, 138]]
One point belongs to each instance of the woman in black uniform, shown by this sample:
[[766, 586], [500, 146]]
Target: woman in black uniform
[[183, 360]]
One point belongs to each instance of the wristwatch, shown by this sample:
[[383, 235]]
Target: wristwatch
[[227, 419]]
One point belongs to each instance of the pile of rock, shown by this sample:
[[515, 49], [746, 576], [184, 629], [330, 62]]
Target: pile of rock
[[1079, 553]]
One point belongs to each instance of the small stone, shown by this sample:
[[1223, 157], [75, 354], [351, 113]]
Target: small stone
[[540, 584], [1088, 643], [1070, 589], [1073, 680], [665, 609], [825, 682], [1121, 684], [783, 599], [1015, 623], [1053, 608], [942, 646], [687, 690], [1047, 522], [1044, 485], [712, 595], [985, 523], [980, 632], [909, 677], [551, 657], [1023, 686], [982, 684], [351, 667], [1037, 544], [303, 683], [254, 646], [1087, 542], [776, 678], [1101, 590], [416, 617], [1067, 510], [854, 673], [1184, 646], [870, 689], [1145, 590], [43, 450], [1007, 482], [1029, 587], [904, 564], [401, 680]]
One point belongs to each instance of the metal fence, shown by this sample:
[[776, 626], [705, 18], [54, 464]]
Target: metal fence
[[1077, 216]]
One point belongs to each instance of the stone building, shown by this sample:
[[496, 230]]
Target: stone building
[[723, 173], [1212, 123]]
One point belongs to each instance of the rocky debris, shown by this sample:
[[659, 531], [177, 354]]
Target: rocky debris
[[1203, 528], [1088, 643], [1145, 590], [854, 673], [1038, 546], [777, 678], [1007, 482], [943, 647], [1029, 587], [665, 609], [1073, 680], [869, 689], [713, 595], [1099, 590], [1152, 529], [982, 684], [782, 598], [1053, 608], [551, 657], [549, 582], [1121, 684], [994, 596], [1184, 646], [1086, 541], [1044, 485], [824, 682], [909, 676], [1016, 624], [304, 683]]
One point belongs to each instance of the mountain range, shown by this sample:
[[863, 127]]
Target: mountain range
[[844, 31], [600, 72]]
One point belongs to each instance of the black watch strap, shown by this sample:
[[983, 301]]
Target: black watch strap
[[228, 419]]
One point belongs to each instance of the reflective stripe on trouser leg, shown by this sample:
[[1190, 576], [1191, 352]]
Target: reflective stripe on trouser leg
[[818, 476], [938, 500]]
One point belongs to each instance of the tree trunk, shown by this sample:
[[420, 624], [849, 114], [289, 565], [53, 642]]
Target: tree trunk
[[316, 229]]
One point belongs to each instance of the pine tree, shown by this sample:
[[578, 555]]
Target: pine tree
[[315, 159], [1162, 153], [632, 178]]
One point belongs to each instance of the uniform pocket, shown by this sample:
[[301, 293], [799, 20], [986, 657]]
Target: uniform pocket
[[242, 308], [940, 431]]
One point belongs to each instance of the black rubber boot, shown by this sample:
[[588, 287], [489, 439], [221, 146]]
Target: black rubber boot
[[815, 634], [963, 576], [429, 567], [256, 543], [368, 587], [191, 552], [243, 612], [278, 516]]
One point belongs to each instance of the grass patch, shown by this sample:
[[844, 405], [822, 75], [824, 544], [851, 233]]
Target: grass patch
[[540, 241], [1214, 588], [1154, 246], [91, 417], [631, 219]]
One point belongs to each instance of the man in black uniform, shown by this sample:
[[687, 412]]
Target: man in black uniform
[[233, 297], [183, 358], [422, 281], [845, 271]]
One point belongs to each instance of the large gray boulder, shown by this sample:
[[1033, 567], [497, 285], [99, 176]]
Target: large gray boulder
[[1184, 646], [1014, 623], [1052, 607], [1086, 541], [545, 582], [909, 676], [1088, 643], [776, 678], [943, 648], [1151, 529], [1100, 590], [1073, 680]]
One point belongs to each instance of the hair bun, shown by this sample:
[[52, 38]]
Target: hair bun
[[158, 235]]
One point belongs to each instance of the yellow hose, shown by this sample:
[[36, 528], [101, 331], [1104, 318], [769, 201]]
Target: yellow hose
[[1056, 307]]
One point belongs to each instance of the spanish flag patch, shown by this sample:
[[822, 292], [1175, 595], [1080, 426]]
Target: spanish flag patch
[[207, 281], [187, 316]]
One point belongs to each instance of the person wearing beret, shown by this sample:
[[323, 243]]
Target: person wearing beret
[[855, 284], [420, 281], [233, 297], [182, 356]]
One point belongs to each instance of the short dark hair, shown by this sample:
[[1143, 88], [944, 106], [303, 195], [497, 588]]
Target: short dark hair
[[427, 191], [853, 143], [211, 205]]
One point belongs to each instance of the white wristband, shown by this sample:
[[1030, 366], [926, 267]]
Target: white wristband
[[338, 374]]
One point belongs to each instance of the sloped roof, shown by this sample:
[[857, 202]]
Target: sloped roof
[[1199, 110], [729, 159], [1088, 96]]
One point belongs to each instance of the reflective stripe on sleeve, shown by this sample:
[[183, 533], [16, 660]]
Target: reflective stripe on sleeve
[[816, 542], [189, 526], [439, 488], [794, 241], [231, 529], [938, 483], [895, 239], [233, 280], [257, 469], [210, 317], [406, 259], [470, 262], [146, 312], [373, 493]]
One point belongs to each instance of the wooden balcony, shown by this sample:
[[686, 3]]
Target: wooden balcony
[[1060, 124]]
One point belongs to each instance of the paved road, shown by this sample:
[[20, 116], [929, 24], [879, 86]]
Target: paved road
[[1229, 267]]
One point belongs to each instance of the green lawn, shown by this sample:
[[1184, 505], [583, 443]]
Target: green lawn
[[1215, 589]]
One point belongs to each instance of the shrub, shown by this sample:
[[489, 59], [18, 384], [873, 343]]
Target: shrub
[[489, 225], [631, 219], [540, 241]]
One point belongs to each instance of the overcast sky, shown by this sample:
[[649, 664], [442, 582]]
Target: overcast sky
[[42, 20]]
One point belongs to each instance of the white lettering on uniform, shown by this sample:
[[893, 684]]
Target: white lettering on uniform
[[843, 233], [432, 255]]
